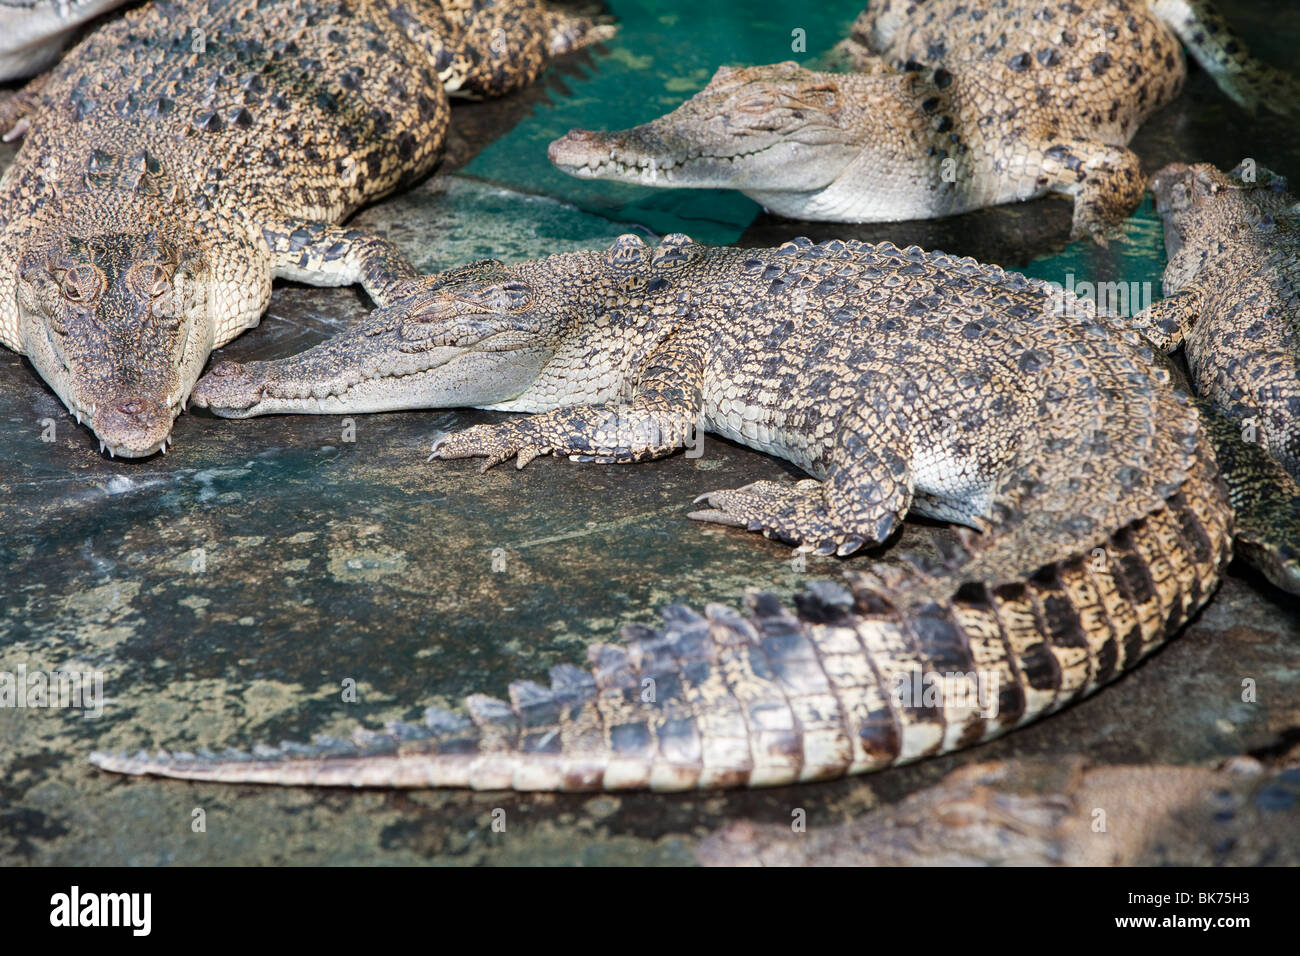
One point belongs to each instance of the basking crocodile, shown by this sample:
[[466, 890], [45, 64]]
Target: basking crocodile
[[32, 32], [186, 154], [902, 381], [1233, 295], [959, 105]]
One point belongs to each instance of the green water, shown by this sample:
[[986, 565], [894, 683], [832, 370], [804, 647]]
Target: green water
[[663, 54]]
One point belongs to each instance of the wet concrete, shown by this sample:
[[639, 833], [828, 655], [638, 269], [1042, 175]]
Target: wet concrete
[[230, 591]]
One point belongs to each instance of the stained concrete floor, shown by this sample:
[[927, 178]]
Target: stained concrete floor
[[228, 590]]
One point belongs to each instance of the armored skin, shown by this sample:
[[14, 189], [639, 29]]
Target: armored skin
[[955, 106], [901, 381], [1232, 288], [186, 154]]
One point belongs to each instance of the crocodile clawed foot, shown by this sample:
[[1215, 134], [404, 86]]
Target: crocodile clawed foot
[[497, 443], [793, 512]]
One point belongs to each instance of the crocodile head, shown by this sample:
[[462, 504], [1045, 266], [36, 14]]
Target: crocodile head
[[116, 324], [468, 337], [759, 129], [1200, 204]]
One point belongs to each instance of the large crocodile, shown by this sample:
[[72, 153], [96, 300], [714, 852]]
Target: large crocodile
[[902, 381], [1233, 295], [186, 154], [32, 32], [956, 105]]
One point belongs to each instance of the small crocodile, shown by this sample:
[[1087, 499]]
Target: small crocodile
[[1233, 295], [33, 32], [956, 106], [902, 381], [186, 154]]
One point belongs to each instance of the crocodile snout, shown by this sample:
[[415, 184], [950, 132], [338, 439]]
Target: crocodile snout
[[133, 426], [642, 154], [228, 385], [578, 147]]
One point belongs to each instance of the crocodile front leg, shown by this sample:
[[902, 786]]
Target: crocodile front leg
[[664, 409], [867, 493], [327, 255], [1105, 182]]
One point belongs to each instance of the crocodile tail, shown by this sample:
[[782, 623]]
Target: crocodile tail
[[1224, 55], [849, 680]]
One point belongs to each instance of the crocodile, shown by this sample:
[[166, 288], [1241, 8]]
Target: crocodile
[[954, 106], [33, 32], [1098, 515], [1232, 287], [187, 153]]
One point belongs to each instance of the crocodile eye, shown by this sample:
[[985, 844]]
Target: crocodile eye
[[757, 104], [149, 279], [515, 296], [506, 297], [80, 283]]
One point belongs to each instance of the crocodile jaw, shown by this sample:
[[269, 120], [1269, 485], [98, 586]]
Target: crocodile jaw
[[448, 377], [643, 157], [777, 127]]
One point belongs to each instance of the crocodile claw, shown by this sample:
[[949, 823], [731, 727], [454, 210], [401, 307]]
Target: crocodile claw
[[497, 443], [792, 512]]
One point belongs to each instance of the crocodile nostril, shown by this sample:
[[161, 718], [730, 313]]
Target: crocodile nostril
[[137, 411]]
